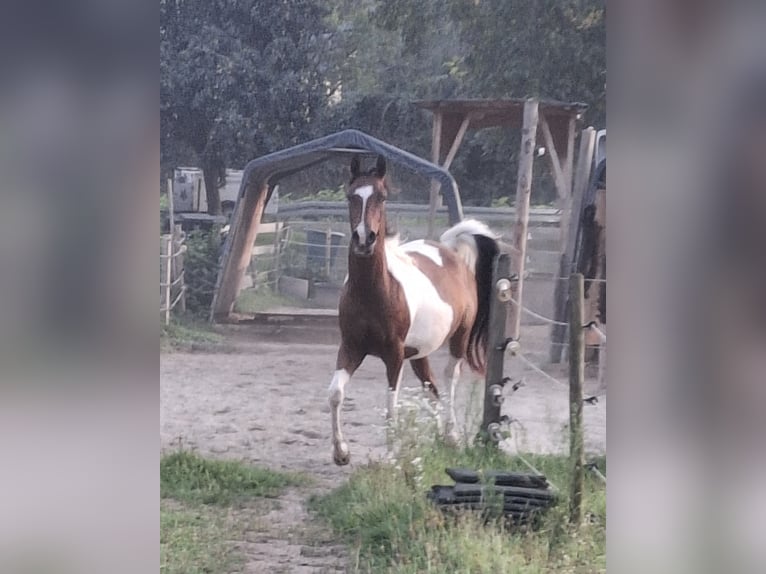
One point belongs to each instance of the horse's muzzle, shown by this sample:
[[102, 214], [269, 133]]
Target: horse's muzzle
[[363, 249]]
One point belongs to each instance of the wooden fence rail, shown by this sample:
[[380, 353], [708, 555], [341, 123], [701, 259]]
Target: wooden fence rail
[[172, 285]]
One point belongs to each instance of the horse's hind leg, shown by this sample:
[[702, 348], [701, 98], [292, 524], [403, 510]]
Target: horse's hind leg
[[346, 365], [422, 369], [452, 373], [458, 346]]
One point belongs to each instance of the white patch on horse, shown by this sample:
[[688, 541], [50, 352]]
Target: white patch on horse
[[364, 192], [430, 316], [425, 249]]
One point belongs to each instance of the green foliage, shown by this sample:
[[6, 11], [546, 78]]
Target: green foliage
[[337, 194], [194, 542], [187, 477], [201, 268], [503, 201], [238, 78], [384, 515]]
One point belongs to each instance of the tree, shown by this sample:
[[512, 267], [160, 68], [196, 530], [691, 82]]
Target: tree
[[238, 78], [548, 48]]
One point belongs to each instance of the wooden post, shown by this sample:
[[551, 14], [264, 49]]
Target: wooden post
[[576, 378], [568, 182], [436, 142], [277, 253], [328, 249], [602, 364], [178, 264], [523, 192], [167, 242], [171, 211], [584, 160], [495, 357]]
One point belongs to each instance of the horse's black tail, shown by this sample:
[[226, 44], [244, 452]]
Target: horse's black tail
[[478, 246]]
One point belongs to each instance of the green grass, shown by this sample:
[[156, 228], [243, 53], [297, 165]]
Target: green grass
[[189, 478], [198, 496], [185, 334], [194, 542], [383, 514]]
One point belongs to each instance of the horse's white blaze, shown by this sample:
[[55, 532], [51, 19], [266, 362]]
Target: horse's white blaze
[[430, 316], [339, 380], [425, 249], [364, 192]]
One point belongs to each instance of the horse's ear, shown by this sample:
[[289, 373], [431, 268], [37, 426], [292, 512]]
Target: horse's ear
[[355, 167], [380, 167]]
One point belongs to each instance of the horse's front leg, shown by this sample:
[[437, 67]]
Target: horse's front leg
[[394, 367], [346, 365]]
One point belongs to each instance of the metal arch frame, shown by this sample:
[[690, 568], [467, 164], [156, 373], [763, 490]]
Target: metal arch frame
[[261, 174]]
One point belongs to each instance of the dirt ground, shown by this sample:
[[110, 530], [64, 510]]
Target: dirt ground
[[266, 403]]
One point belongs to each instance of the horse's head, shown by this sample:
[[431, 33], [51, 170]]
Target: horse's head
[[366, 194]]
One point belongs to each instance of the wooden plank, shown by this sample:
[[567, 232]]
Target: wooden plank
[[495, 357], [576, 378], [523, 192]]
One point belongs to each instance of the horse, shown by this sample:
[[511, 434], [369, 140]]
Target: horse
[[404, 301]]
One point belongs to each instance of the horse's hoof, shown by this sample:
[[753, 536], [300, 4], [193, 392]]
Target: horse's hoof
[[341, 455], [341, 459]]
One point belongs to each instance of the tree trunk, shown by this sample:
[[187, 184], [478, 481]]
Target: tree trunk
[[210, 172]]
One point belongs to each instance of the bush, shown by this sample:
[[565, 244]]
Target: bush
[[201, 268]]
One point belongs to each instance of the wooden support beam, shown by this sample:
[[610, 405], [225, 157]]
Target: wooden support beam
[[245, 229], [456, 142], [523, 192], [436, 139], [576, 379]]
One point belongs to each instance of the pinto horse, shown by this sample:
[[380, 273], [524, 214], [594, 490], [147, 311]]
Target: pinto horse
[[404, 301]]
